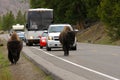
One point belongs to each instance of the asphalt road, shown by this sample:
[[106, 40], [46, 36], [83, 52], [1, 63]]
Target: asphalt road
[[89, 61]]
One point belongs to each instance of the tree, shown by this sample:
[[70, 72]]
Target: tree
[[76, 12], [109, 13], [8, 20], [20, 18], [65, 11], [91, 9], [35, 3], [71, 11], [11, 19]]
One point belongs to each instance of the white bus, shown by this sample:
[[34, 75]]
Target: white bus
[[38, 20]]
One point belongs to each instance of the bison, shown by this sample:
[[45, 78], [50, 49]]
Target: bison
[[67, 38], [14, 46]]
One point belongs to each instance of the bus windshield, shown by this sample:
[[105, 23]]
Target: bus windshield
[[39, 20]]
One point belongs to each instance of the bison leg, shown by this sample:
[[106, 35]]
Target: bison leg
[[16, 58], [66, 49], [10, 57]]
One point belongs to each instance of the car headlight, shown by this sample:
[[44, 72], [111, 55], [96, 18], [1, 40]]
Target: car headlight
[[31, 37], [50, 38], [43, 41]]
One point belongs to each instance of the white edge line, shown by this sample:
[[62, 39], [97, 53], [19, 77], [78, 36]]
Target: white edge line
[[80, 66]]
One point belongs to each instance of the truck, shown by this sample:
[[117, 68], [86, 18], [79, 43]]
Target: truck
[[19, 29], [16, 28], [37, 20]]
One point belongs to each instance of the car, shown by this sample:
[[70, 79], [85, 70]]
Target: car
[[54, 31], [21, 35], [10, 32], [43, 39]]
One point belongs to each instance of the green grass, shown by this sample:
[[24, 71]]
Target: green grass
[[48, 78], [4, 64]]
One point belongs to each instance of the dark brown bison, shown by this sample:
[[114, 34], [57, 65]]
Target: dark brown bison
[[14, 46], [67, 38]]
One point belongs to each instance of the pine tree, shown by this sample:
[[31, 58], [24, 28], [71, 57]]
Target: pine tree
[[8, 20], [20, 18], [109, 13]]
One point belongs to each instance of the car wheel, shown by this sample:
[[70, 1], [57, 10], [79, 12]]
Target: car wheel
[[48, 48], [27, 44], [41, 47], [74, 48], [30, 44]]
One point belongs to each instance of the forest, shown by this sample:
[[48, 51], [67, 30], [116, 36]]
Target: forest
[[83, 13], [80, 13], [9, 19]]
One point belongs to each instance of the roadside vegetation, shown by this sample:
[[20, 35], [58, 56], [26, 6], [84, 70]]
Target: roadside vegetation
[[85, 13], [80, 13], [4, 66], [15, 72], [9, 19], [96, 34], [98, 21], [4, 70]]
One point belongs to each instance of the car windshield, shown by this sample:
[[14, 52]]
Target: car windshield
[[56, 29], [20, 33], [44, 34]]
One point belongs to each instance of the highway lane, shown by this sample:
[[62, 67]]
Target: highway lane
[[93, 62]]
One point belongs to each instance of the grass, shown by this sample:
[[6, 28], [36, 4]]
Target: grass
[[96, 34], [5, 73], [92, 34], [4, 66]]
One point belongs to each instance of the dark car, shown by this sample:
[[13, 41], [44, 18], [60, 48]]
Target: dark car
[[43, 39]]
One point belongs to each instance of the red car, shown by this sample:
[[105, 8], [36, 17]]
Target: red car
[[43, 39]]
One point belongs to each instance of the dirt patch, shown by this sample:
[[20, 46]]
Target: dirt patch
[[25, 70], [92, 34]]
